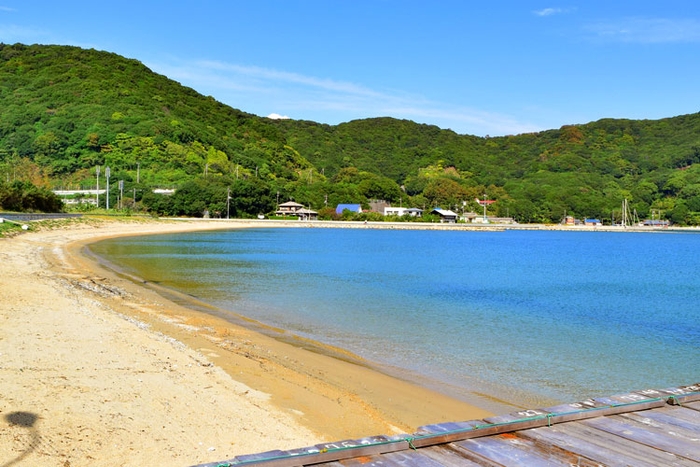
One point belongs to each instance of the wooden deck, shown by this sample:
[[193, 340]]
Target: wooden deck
[[643, 428]]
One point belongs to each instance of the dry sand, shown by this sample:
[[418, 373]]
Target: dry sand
[[99, 370]]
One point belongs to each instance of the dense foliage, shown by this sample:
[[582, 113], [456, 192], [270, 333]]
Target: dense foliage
[[22, 196], [66, 111]]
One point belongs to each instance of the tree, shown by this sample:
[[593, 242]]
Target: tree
[[381, 188], [251, 197], [22, 196], [680, 213], [445, 192]]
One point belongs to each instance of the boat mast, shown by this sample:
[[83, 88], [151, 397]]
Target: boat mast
[[627, 219], [624, 213]]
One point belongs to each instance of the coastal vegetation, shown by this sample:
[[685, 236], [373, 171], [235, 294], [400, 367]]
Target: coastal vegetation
[[22, 196], [67, 111]]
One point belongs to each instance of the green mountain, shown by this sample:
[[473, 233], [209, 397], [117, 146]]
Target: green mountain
[[67, 110]]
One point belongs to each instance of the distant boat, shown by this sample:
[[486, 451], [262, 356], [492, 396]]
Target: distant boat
[[628, 218]]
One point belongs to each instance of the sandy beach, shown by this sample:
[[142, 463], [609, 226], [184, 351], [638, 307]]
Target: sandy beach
[[97, 369]]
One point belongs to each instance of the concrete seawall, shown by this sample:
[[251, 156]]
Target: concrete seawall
[[440, 226]]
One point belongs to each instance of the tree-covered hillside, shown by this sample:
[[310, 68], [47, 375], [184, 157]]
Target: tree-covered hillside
[[67, 110], [582, 170]]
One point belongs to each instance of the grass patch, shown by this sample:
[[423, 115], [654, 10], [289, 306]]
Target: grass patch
[[12, 228], [9, 229]]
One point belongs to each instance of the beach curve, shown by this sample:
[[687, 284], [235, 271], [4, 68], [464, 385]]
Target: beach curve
[[113, 373]]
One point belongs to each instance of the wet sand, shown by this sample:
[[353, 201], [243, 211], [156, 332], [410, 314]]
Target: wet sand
[[98, 369]]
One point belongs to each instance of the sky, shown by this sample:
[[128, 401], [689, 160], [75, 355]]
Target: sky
[[480, 67]]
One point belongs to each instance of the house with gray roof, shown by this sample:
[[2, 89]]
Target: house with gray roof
[[291, 208], [445, 215]]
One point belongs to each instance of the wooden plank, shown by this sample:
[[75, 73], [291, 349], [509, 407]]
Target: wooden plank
[[671, 427], [589, 408], [448, 456], [676, 395], [441, 434], [348, 449], [404, 459], [602, 447], [648, 436], [525, 419], [692, 405], [259, 456], [672, 417], [325, 452], [442, 428], [446, 433], [509, 449]]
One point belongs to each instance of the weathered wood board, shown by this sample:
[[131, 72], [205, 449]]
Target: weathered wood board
[[646, 428]]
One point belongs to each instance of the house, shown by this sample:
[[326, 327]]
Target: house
[[470, 217], [413, 212], [349, 207], [656, 223], [389, 211], [445, 215], [290, 208], [306, 214], [592, 222], [571, 220]]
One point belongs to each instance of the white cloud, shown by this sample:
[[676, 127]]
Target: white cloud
[[267, 74], [549, 11], [275, 116], [554, 11], [7, 8], [275, 93], [647, 30]]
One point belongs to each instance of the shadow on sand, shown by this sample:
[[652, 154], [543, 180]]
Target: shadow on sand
[[25, 420]]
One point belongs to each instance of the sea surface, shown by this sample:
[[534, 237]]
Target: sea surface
[[528, 318]]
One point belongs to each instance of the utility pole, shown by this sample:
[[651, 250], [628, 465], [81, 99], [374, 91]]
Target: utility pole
[[107, 177], [121, 193], [228, 202], [97, 191]]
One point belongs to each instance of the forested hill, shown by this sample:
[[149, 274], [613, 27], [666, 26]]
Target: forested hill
[[66, 110]]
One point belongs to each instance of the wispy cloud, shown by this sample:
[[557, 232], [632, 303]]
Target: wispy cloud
[[266, 91], [549, 11], [647, 30], [7, 8], [269, 75]]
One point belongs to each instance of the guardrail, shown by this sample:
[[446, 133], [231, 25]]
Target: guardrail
[[23, 216]]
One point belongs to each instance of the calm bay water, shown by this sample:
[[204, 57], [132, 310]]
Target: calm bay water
[[528, 317]]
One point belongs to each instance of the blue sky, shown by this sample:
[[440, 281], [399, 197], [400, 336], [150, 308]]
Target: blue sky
[[476, 67]]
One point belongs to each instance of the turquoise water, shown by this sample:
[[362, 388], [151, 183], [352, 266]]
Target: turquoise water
[[528, 317]]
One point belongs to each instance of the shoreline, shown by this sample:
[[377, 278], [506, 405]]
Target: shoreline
[[486, 399], [312, 395]]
